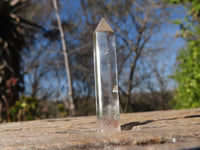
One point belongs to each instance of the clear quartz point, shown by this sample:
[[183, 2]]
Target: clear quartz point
[[106, 78]]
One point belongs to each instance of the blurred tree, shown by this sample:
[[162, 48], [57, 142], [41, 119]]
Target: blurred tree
[[36, 66], [65, 54], [135, 23], [40, 61], [13, 30], [187, 74], [160, 92]]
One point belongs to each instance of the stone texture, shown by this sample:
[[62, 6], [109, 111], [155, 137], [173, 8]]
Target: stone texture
[[173, 129]]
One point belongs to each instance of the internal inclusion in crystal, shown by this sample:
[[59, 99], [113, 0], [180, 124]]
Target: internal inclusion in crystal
[[106, 82]]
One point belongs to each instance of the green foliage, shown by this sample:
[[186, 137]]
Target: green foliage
[[61, 110], [24, 109], [188, 77], [188, 73]]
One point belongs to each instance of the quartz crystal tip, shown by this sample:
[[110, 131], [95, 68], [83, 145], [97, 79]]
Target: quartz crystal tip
[[103, 26]]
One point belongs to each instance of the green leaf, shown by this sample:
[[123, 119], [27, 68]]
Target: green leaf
[[23, 105]]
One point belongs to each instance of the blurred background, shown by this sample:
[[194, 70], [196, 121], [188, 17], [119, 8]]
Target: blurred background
[[46, 56]]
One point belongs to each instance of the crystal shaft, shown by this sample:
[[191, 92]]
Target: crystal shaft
[[106, 79]]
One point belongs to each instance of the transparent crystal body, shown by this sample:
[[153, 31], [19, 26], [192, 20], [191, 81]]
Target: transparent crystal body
[[106, 82]]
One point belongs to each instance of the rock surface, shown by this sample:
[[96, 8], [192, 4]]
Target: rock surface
[[173, 129]]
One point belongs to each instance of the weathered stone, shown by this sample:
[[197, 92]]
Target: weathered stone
[[174, 129]]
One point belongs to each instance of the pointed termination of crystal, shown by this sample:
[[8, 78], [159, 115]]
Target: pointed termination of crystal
[[103, 26]]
